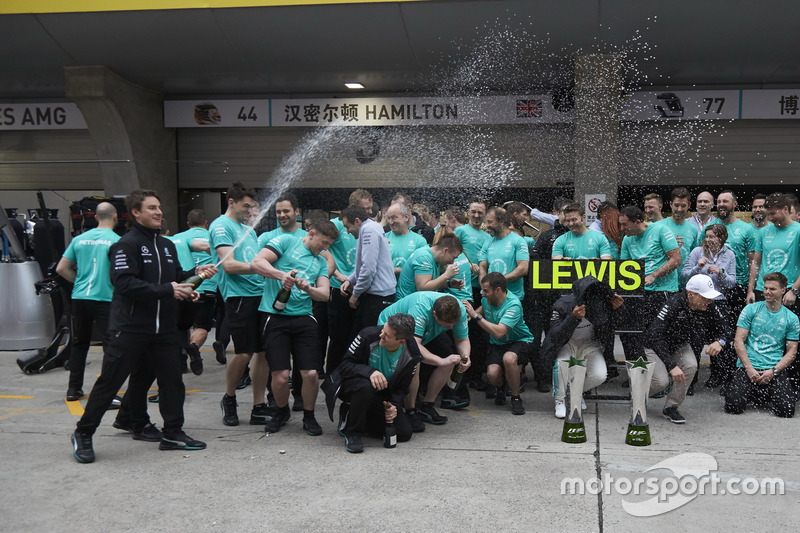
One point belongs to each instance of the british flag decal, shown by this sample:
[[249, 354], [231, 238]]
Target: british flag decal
[[529, 108]]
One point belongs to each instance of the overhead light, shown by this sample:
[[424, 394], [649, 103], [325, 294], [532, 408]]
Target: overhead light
[[353, 85]]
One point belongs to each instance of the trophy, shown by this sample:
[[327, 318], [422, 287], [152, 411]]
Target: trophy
[[640, 372], [574, 372]]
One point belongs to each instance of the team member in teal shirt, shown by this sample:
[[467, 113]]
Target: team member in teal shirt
[[579, 242], [510, 340], [684, 231], [340, 314], [766, 343], [434, 314], [292, 333], [91, 290], [430, 268], [286, 212], [402, 241], [506, 252], [473, 238], [236, 245], [777, 250]]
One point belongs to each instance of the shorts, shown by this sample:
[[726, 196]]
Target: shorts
[[244, 319], [288, 336], [521, 348], [205, 310]]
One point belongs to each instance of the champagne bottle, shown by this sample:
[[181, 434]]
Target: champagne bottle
[[282, 297], [390, 436], [195, 281], [455, 376]]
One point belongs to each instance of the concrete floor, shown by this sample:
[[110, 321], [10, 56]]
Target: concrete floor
[[484, 470]]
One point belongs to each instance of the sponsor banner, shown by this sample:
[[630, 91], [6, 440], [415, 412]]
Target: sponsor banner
[[681, 105], [41, 116], [780, 104], [624, 277], [216, 113]]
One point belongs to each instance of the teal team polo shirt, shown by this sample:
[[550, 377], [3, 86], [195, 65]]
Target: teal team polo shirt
[[652, 246], [420, 306], [768, 333], [420, 262], [89, 252], [502, 256], [472, 240], [227, 232], [292, 255], [403, 246], [780, 252], [590, 245], [509, 313], [343, 251]]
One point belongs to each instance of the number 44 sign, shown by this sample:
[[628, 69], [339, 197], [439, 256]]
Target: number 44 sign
[[216, 113]]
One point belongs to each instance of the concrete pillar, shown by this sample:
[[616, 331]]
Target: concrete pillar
[[126, 123], [597, 112]]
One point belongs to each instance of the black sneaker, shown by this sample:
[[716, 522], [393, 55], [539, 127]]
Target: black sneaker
[[219, 350], [311, 426], [178, 440], [516, 406], [153, 398], [73, 395], [450, 400], [279, 419], [542, 386], [673, 415], [195, 359], [245, 381], [500, 397], [298, 405], [260, 415], [491, 392], [123, 426], [429, 414], [353, 444], [149, 433], [82, 447], [228, 405], [415, 420]]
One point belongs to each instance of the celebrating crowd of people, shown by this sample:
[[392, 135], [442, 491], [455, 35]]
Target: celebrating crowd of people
[[389, 310]]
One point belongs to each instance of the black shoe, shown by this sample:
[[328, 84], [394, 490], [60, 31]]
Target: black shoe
[[149, 433], [279, 419], [123, 426], [115, 403], [311, 426], [713, 382], [491, 392], [73, 395], [153, 398], [82, 447], [261, 414], [429, 414], [516, 406], [450, 400], [245, 381], [500, 397], [542, 386], [673, 415], [229, 415], [298, 406], [690, 390], [353, 444], [195, 359], [415, 420], [219, 350], [178, 440]]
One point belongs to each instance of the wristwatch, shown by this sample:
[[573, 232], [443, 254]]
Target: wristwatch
[[796, 292], [478, 317], [722, 342]]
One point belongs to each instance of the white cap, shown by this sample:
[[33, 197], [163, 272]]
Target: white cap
[[702, 285]]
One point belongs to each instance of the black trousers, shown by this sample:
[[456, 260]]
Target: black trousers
[[369, 309], [141, 357], [222, 328], [340, 326], [638, 314], [478, 341], [366, 414], [778, 392], [85, 313]]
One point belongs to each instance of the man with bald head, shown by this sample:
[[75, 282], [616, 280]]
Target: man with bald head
[[85, 264], [703, 216]]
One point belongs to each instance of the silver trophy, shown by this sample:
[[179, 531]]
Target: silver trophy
[[574, 372], [640, 373]]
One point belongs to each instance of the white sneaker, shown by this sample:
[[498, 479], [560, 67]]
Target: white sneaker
[[561, 409]]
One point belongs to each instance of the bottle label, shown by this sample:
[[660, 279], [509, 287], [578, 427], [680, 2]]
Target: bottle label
[[451, 384], [393, 440]]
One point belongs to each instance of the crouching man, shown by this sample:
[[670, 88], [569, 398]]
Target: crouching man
[[766, 343], [376, 373]]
